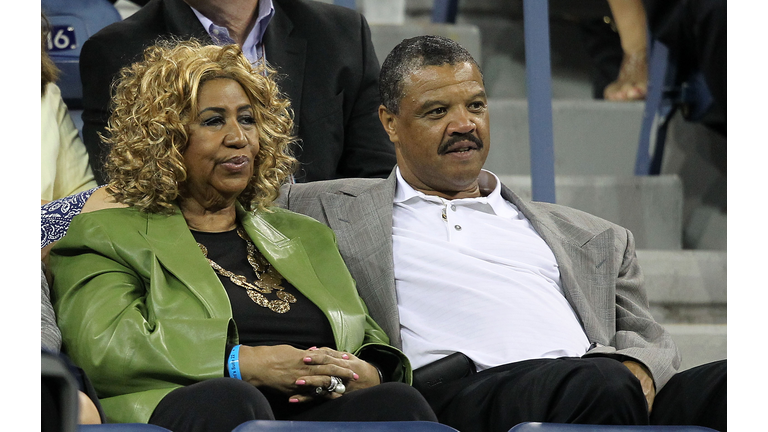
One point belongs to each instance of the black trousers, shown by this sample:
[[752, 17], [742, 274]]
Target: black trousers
[[221, 404], [567, 390], [697, 396]]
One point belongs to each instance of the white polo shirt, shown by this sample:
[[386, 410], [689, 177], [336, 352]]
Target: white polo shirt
[[472, 275]]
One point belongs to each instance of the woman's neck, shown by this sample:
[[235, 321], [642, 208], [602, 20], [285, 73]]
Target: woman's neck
[[208, 219]]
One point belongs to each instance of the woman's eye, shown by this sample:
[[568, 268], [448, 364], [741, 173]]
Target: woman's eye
[[248, 119], [213, 121]]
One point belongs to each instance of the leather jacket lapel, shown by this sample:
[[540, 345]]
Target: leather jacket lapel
[[290, 258], [175, 248]]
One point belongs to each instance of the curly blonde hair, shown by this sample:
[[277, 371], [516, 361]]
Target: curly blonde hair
[[155, 100]]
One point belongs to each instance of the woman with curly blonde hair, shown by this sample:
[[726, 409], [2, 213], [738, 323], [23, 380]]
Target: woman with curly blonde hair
[[154, 102], [198, 306]]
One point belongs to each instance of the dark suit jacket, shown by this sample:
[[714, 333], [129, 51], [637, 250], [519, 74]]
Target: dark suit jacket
[[322, 52], [598, 268]]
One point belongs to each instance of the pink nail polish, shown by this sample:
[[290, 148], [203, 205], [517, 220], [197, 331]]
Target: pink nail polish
[[345, 356], [356, 376], [300, 382], [314, 348], [307, 359], [293, 400]]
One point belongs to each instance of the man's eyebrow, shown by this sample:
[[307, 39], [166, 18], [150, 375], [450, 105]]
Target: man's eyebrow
[[428, 105], [480, 94]]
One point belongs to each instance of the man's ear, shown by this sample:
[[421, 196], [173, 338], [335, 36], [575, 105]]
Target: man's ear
[[389, 121]]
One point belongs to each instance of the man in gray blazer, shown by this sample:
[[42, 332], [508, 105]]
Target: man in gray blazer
[[546, 301]]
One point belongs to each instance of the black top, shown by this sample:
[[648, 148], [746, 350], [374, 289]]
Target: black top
[[302, 327]]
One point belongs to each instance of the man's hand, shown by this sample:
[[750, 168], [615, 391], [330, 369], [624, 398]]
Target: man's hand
[[642, 373]]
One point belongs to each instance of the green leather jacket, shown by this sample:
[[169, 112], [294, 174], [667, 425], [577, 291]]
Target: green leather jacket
[[142, 312]]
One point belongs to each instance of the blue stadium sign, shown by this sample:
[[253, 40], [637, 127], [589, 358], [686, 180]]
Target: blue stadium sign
[[62, 38]]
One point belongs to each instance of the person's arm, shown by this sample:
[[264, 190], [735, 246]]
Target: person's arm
[[49, 332], [105, 293], [73, 173], [632, 82], [638, 336], [367, 150], [98, 67]]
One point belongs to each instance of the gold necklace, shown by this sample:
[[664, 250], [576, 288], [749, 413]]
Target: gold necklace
[[267, 278]]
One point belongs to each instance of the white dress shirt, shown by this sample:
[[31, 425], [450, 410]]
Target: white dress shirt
[[472, 275], [253, 47]]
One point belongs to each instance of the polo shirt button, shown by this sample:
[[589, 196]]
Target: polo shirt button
[[458, 227]]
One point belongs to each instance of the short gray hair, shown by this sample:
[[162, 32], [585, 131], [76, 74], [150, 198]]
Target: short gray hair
[[413, 54]]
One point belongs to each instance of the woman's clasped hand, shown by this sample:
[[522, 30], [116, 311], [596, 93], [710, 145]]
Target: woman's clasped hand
[[299, 373]]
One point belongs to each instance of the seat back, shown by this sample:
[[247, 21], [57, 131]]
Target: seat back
[[72, 23], [667, 93], [59, 394], [121, 427], [290, 426], [560, 427]]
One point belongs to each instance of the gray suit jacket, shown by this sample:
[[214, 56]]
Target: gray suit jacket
[[598, 266]]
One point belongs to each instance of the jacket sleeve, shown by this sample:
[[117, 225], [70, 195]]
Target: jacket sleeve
[[110, 307], [638, 336], [391, 362], [367, 149], [97, 69]]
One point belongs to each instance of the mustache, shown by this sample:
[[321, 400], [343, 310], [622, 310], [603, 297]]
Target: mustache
[[459, 138]]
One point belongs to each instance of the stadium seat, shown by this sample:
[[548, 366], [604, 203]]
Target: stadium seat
[[667, 93], [289, 426], [72, 23], [121, 427], [59, 394], [559, 427]]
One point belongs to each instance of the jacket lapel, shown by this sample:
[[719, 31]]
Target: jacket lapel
[[286, 52], [362, 221], [176, 250], [290, 258], [182, 21], [585, 260]]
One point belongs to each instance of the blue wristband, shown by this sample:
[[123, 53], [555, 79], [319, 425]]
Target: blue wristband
[[234, 362]]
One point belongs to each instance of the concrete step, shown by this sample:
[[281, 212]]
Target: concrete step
[[699, 343], [688, 286], [650, 207], [387, 36], [591, 137]]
